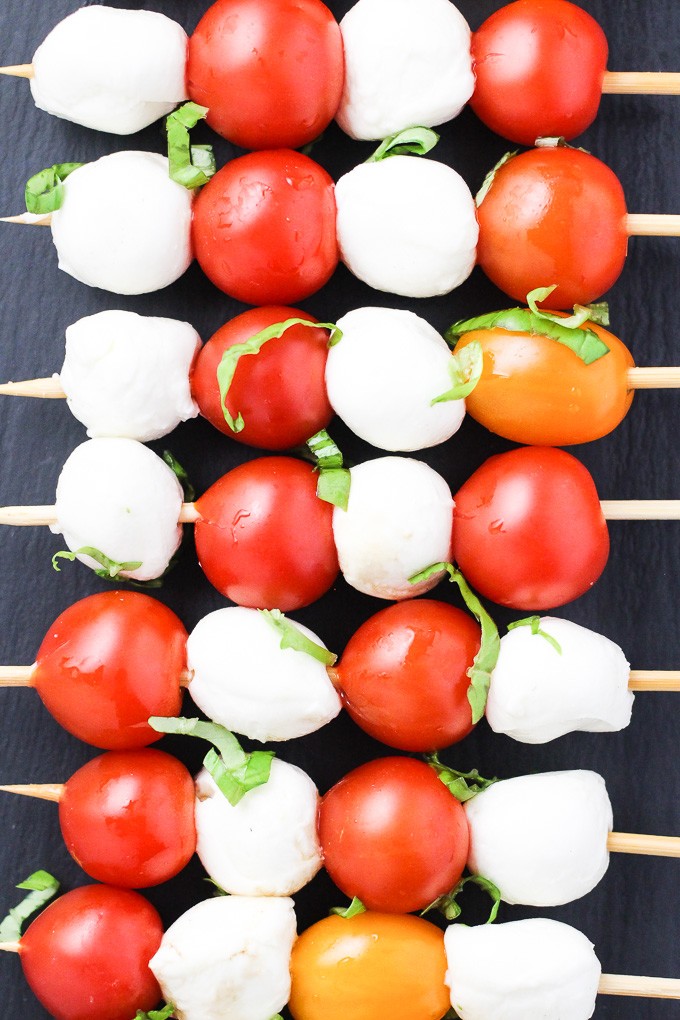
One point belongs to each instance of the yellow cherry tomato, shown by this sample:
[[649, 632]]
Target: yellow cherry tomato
[[368, 966], [535, 390]]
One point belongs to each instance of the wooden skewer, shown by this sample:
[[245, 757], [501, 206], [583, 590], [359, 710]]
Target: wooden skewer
[[646, 987], [22, 676], [10, 947], [666, 378], [641, 843], [42, 791], [654, 680], [25, 516], [29, 219], [48, 388], [651, 83], [18, 70]]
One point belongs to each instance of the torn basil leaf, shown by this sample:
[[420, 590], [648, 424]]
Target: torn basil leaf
[[465, 370], [535, 623], [355, 907], [43, 887], [45, 190], [334, 479], [448, 904], [489, 179], [462, 785], [415, 141], [292, 637], [166, 1013], [110, 569], [182, 476], [192, 166]]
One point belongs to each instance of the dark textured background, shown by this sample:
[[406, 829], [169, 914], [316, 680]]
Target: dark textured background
[[633, 917]]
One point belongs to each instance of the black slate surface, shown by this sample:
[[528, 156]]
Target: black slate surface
[[633, 916]]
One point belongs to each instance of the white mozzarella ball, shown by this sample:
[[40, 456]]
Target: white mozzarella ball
[[266, 845], [397, 523], [119, 497], [521, 970], [538, 693], [124, 225], [128, 375], [228, 958], [407, 225], [111, 70], [243, 679], [383, 375], [406, 64], [542, 839]]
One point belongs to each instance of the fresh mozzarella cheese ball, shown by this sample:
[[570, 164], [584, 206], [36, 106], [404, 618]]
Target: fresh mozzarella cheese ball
[[228, 958], [124, 225], [111, 70], [383, 375], [538, 693], [128, 375], [266, 845], [119, 497], [397, 523], [520, 970], [406, 64], [407, 225], [243, 679], [542, 839]]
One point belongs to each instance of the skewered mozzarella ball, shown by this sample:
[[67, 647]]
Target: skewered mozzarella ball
[[266, 845], [406, 65], [539, 692], [407, 225], [243, 678], [397, 522], [117, 496], [383, 376], [542, 839], [228, 959], [112, 70], [532, 968], [124, 224], [128, 375]]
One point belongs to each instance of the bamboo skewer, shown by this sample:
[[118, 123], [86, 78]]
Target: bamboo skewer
[[27, 516], [639, 843], [22, 676], [637, 986], [49, 388], [18, 70], [650, 83], [41, 791]]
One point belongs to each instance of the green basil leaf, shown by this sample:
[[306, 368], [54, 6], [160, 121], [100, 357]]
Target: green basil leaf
[[355, 907], [489, 179], [463, 785], [43, 887], [45, 190], [448, 904], [230, 358], [166, 1013], [465, 370], [535, 623], [182, 476], [582, 313], [292, 637], [334, 479], [192, 166], [415, 141], [110, 570]]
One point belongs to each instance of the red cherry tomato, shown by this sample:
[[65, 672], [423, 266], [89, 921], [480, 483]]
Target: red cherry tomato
[[393, 835], [403, 676], [280, 392], [539, 67], [128, 817], [269, 71], [108, 663], [528, 529], [264, 538], [264, 228], [368, 966], [553, 216], [86, 957]]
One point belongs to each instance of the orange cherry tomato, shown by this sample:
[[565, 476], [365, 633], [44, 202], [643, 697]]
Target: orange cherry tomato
[[367, 966], [535, 390]]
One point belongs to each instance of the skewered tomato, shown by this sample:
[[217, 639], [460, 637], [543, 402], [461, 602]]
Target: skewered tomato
[[264, 538], [264, 227], [392, 834], [535, 390], [86, 957], [269, 71], [109, 662], [403, 675], [529, 530], [367, 966], [539, 66], [280, 392], [553, 215]]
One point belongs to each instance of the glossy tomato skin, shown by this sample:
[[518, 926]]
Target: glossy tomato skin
[[534, 390], [127, 817], [367, 966], [528, 529], [109, 662], [269, 71], [86, 957], [403, 675], [539, 67], [264, 228], [264, 538], [553, 216], [280, 392], [392, 834]]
